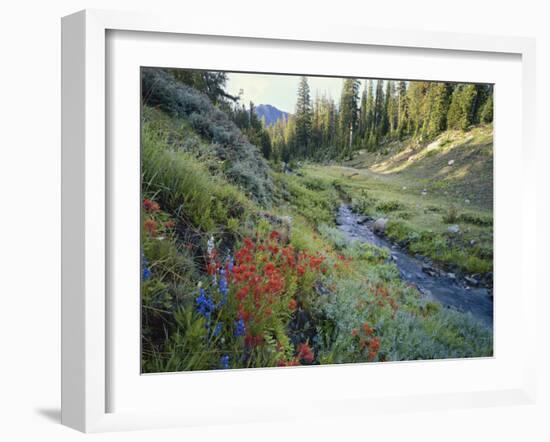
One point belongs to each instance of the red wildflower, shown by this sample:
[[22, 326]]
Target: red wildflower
[[211, 268], [292, 304], [150, 206], [150, 226], [273, 249], [253, 341], [170, 224], [374, 345], [305, 353], [241, 294], [367, 329], [354, 332], [301, 270], [290, 363], [274, 235], [243, 314], [248, 243]]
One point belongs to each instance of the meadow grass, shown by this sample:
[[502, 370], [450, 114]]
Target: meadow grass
[[356, 310]]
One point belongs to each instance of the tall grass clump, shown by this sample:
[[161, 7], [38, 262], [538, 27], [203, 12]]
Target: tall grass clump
[[184, 187]]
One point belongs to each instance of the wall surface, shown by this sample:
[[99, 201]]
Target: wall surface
[[30, 216]]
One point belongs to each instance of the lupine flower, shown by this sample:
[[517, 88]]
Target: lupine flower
[[224, 362], [205, 306], [145, 271], [230, 264], [218, 329], [223, 287], [145, 274], [210, 246], [240, 328]]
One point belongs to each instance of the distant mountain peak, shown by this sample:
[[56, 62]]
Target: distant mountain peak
[[270, 113]]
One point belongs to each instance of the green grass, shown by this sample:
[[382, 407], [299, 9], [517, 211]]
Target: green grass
[[183, 172], [422, 196]]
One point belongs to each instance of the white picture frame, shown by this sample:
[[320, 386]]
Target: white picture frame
[[87, 356]]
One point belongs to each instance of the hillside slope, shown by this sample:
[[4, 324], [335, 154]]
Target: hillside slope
[[243, 163], [456, 165]]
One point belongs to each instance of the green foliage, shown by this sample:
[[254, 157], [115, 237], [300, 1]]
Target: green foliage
[[451, 216], [390, 206]]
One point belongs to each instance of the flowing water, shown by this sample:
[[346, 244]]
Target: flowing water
[[437, 286]]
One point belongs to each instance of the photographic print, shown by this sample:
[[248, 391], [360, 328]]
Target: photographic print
[[294, 220]]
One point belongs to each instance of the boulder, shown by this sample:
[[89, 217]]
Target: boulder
[[451, 162], [455, 228], [429, 270], [380, 225]]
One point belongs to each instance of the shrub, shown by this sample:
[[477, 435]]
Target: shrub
[[451, 216], [390, 206], [475, 219]]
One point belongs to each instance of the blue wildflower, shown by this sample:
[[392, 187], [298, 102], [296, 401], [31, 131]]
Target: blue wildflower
[[145, 271], [224, 362], [205, 306], [240, 328], [218, 329], [223, 287]]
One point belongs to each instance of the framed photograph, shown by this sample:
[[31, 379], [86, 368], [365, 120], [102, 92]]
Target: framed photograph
[[285, 223]]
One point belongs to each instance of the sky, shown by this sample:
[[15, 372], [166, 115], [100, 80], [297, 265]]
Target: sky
[[279, 90]]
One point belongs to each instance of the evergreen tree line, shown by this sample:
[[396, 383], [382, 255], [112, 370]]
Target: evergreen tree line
[[383, 111]]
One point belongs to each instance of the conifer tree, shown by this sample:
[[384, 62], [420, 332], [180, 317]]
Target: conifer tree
[[402, 109], [486, 115], [303, 119], [437, 105], [349, 114], [462, 108], [362, 129], [391, 107], [379, 113]]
